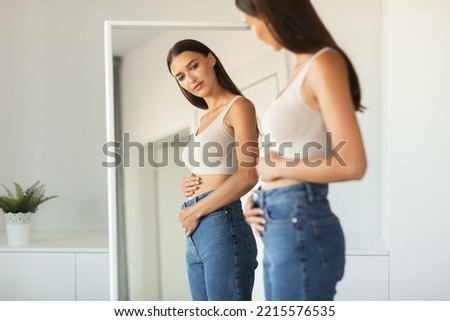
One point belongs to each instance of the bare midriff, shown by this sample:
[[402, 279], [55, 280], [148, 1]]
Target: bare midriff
[[282, 182], [209, 183], [212, 182]]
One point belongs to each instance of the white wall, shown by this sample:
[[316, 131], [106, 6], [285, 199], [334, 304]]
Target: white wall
[[52, 105], [416, 114]]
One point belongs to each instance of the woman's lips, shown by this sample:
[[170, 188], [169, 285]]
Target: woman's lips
[[198, 86]]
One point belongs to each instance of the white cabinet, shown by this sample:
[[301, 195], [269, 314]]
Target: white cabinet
[[366, 275], [92, 276], [55, 266], [365, 279], [37, 276]]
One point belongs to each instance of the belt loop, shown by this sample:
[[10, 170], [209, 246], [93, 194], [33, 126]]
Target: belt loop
[[258, 196], [263, 197], [309, 192]]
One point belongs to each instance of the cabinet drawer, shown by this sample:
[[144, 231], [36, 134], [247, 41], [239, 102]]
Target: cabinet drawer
[[366, 279], [92, 276], [37, 276]]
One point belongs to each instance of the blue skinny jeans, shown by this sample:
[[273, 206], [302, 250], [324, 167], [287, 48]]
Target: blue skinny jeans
[[304, 246], [221, 255]]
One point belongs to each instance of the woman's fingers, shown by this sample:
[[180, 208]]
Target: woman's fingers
[[258, 224], [254, 217], [259, 229], [190, 184], [191, 181], [188, 222]]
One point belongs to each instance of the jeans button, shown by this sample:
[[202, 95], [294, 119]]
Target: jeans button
[[255, 196], [294, 220]]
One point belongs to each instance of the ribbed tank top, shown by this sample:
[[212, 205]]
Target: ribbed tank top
[[212, 151], [295, 129]]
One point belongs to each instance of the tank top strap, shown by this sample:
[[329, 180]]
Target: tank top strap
[[227, 107], [302, 74]]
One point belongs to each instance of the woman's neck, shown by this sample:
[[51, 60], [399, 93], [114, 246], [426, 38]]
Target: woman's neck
[[218, 99], [300, 60]]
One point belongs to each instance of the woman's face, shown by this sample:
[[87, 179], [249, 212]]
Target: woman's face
[[194, 72], [261, 30]]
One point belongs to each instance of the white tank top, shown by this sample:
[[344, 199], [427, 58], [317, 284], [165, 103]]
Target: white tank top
[[212, 151], [295, 129]]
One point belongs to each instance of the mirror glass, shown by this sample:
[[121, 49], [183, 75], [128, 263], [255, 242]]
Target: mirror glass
[[147, 114]]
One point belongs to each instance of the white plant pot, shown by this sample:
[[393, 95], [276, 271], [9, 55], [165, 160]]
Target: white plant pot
[[18, 228]]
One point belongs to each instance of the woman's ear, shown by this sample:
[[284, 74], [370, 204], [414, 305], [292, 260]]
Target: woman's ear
[[212, 60]]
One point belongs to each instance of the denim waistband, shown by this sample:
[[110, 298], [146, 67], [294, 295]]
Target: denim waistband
[[196, 199], [310, 192]]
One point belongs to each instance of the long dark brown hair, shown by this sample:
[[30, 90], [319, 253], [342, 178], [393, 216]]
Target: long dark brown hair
[[222, 76], [296, 25]]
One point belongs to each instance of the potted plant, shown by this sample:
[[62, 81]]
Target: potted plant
[[18, 207]]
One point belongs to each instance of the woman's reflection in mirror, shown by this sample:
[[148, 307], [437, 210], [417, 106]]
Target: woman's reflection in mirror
[[220, 245]]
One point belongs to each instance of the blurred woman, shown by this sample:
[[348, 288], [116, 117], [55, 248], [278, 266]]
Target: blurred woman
[[317, 140]]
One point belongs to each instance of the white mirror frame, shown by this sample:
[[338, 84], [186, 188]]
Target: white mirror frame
[[110, 123]]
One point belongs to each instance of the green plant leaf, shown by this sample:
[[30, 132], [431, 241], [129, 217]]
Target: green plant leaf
[[24, 201], [8, 191], [19, 191]]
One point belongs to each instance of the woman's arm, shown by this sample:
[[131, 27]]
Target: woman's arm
[[242, 119], [328, 88]]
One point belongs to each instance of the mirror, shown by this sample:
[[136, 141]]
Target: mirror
[[146, 114]]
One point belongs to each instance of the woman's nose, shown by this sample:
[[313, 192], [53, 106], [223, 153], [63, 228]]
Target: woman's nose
[[191, 78]]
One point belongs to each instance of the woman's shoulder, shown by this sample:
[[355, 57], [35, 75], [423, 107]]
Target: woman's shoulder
[[328, 59], [242, 105], [328, 66], [242, 108]]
